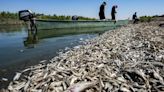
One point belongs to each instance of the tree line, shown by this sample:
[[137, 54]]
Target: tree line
[[14, 16], [7, 15], [150, 18]]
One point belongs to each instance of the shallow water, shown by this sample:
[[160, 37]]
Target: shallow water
[[20, 49]]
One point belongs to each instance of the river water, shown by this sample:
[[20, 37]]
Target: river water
[[20, 48]]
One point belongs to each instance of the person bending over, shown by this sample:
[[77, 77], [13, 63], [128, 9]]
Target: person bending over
[[102, 10], [134, 18], [113, 13]]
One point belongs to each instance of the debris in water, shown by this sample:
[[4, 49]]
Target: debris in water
[[4, 79]]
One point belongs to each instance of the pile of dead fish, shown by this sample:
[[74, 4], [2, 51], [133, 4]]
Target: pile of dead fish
[[128, 59]]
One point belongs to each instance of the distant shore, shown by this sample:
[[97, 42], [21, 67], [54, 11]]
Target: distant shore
[[130, 58], [9, 18], [11, 22]]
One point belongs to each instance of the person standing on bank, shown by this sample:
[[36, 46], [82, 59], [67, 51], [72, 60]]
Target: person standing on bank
[[134, 18], [102, 10], [113, 13]]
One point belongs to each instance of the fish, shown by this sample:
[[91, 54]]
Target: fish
[[17, 76], [79, 87]]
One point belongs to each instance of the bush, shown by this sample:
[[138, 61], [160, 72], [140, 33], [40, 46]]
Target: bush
[[145, 18]]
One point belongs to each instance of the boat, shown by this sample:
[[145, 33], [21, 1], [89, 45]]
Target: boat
[[27, 15], [53, 24]]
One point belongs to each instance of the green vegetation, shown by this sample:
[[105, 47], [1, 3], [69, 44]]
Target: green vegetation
[[85, 18], [13, 18], [60, 17], [146, 18], [158, 16], [151, 18], [9, 18], [8, 15], [53, 17]]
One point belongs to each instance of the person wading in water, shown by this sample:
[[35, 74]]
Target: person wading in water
[[102, 9]]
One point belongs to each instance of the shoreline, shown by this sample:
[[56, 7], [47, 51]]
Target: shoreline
[[118, 60], [11, 22]]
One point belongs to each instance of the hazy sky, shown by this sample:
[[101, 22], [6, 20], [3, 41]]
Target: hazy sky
[[88, 8]]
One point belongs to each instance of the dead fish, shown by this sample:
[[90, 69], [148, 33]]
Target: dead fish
[[20, 85], [157, 76], [121, 79], [124, 89], [43, 61], [81, 86], [58, 89], [28, 69], [73, 80], [101, 66], [4, 79], [26, 85], [17, 76], [64, 85], [108, 86], [56, 84]]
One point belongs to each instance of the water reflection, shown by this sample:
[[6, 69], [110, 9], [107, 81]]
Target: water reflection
[[31, 39], [70, 31], [33, 36]]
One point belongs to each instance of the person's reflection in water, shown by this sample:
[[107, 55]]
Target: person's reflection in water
[[31, 40]]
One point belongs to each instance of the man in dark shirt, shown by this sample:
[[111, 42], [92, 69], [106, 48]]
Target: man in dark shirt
[[113, 12], [102, 9], [134, 18]]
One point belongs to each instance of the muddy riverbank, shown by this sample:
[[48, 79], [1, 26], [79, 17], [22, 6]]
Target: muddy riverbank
[[127, 59]]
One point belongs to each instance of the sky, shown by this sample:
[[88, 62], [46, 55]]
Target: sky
[[87, 8]]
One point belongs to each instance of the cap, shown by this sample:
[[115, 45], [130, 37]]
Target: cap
[[104, 3]]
